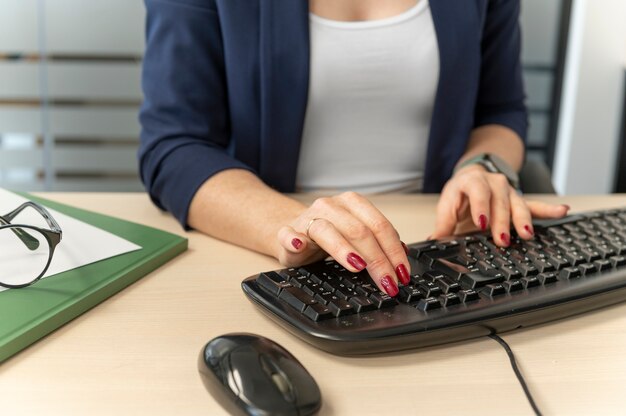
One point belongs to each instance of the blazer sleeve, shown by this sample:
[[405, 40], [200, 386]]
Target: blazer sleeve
[[185, 127], [500, 98]]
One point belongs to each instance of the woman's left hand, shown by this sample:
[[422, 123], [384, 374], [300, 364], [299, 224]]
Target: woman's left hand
[[483, 199]]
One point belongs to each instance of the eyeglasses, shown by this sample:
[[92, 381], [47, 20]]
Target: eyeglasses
[[26, 250]]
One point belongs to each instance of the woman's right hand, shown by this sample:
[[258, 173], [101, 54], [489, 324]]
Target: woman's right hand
[[354, 232]]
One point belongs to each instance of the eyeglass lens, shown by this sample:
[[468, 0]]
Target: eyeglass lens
[[21, 263]]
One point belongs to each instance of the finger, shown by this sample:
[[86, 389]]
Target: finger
[[289, 255], [540, 209], [521, 216], [330, 240], [386, 238], [500, 209], [328, 237], [293, 241], [479, 193], [475, 185], [447, 217]]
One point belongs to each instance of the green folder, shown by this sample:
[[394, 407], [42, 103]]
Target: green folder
[[29, 314]]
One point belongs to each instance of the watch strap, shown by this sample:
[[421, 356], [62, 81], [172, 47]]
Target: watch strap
[[493, 164]]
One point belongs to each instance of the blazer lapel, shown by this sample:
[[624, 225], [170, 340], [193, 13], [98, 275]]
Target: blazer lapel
[[284, 62]]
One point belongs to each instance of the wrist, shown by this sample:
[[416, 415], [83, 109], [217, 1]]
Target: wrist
[[493, 164]]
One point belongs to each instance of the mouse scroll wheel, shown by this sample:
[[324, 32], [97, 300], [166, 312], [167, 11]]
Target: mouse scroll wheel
[[278, 377]]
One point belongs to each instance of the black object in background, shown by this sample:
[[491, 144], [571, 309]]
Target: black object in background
[[620, 179]]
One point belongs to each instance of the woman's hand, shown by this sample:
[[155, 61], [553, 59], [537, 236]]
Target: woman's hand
[[474, 197], [354, 232]]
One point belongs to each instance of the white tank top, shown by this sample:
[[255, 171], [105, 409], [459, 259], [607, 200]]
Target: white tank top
[[372, 89]]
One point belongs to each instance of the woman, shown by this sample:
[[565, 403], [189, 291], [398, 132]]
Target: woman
[[246, 99]]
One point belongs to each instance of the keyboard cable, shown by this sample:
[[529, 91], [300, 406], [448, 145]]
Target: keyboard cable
[[517, 371]]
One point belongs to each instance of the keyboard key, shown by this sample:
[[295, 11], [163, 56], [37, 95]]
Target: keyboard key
[[362, 304], [366, 290], [543, 265], [345, 292], [476, 280], [569, 273], [341, 307], [587, 268], [296, 297], [513, 286], [449, 268], [575, 258], [527, 269], [468, 295], [558, 261], [602, 264], [449, 299], [382, 300], [590, 254], [493, 290], [618, 261], [325, 297], [318, 312], [547, 278], [447, 285], [409, 294], [530, 281], [428, 304], [273, 282], [429, 289]]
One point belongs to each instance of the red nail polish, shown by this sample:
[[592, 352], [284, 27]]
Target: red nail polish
[[296, 243], [505, 238], [482, 220], [389, 285], [406, 249], [356, 261], [529, 230], [403, 274]]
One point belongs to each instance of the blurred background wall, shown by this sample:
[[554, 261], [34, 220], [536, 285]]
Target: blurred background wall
[[70, 90], [70, 73]]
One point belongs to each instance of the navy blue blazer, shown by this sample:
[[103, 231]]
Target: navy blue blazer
[[225, 85]]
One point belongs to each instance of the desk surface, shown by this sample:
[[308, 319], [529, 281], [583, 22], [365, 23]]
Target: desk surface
[[136, 352]]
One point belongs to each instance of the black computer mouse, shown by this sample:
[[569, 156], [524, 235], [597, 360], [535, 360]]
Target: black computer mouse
[[252, 375]]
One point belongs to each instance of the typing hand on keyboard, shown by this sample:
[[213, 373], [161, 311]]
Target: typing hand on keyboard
[[355, 233], [474, 198], [461, 287]]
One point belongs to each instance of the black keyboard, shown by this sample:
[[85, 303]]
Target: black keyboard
[[461, 288]]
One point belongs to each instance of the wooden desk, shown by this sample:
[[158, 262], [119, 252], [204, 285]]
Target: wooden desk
[[136, 352]]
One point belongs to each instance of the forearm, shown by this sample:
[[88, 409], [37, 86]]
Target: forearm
[[498, 140], [236, 206]]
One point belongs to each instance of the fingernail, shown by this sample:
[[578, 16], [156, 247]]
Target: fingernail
[[389, 285], [403, 274], [567, 207], [505, 238], [482, 221], [296, 243], [529, 230], [406, 249], [356, 261]]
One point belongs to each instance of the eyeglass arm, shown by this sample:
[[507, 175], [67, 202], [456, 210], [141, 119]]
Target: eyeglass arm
[[40, 209], [31, 242]]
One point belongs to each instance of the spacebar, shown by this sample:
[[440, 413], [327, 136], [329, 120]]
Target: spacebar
[[478, 279], [466, 277]]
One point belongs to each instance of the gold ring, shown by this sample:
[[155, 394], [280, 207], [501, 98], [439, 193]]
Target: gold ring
[[308, 226]]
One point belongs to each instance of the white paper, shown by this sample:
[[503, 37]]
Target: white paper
[[81, 243]]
